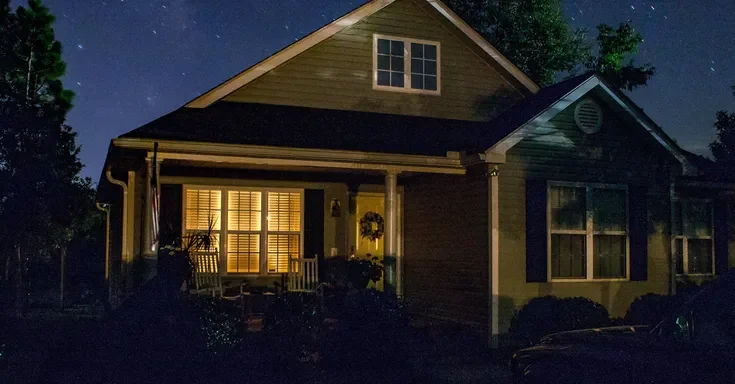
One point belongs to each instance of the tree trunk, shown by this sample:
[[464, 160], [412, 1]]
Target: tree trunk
[[20, 295], [63, 274], [28, 76]]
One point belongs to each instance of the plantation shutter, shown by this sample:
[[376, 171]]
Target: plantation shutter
[[536, 231], [244, 218], [170, 215], [638, 228], [721, 232], [284, 229], [314, 224]]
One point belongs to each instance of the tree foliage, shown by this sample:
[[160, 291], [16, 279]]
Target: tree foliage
[[535, 36], [723, 148], [43, 200]]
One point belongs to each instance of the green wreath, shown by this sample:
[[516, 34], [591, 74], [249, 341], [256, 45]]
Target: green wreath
[[372, 226]]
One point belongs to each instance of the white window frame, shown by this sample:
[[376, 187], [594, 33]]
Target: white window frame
[[222, 246], [406, 65], [685, 239], [588, 232]]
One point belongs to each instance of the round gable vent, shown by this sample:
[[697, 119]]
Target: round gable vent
[[588, 116]]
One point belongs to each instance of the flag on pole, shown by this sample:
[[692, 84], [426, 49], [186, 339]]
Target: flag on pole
[[154, 200]]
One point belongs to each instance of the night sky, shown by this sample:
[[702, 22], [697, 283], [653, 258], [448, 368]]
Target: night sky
[[132, 61]]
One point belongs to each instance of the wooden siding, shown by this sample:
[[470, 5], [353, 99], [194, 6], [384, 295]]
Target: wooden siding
[[445, 257], [618, 154], [337, 73]]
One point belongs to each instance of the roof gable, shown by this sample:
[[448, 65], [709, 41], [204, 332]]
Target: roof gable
[[527, 118], [440, 9]]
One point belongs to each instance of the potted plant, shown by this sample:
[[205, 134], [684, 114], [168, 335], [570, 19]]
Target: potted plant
[[175, 264]]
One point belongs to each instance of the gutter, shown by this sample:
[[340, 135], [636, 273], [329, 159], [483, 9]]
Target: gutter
[[124, 187], [106, 209]]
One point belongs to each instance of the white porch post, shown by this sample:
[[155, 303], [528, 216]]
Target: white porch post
[[391, 231]]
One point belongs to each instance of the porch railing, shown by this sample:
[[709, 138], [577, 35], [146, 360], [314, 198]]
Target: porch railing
[[303, 275]]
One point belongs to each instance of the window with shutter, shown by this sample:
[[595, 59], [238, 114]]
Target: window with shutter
[[692, 230], [263, 227], [588, 231]]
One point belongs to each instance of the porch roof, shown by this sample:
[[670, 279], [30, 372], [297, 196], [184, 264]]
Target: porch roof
[[315, 128]]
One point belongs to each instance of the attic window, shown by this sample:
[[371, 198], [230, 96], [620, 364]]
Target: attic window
[[406, 65], [588, 116]]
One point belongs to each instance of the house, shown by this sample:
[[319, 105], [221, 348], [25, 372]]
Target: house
[[493, 191]]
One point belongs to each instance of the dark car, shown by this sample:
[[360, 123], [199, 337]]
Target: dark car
[[695, 344]]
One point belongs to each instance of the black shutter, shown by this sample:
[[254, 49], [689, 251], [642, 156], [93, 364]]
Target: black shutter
[[638, 227], [721, 237], [314, 225], [172, 202], [536, 236]]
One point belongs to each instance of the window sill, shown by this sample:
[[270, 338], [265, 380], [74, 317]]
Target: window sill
[[588, 280], [685, 275], [406, 90]]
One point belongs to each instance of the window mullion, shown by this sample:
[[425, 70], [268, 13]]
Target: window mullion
[[685, 254], [264, 234], [406, 64], [590, 235], [224, 227]]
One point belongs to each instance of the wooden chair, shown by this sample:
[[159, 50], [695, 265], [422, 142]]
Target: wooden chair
[[206, 272], [303, 275]]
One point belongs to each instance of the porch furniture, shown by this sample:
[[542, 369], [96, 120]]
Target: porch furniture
[[303, 275], [206, 273]]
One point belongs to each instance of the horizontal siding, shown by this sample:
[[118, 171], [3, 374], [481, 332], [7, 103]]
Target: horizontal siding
[[445, 257], [337, 73], [618, 154]]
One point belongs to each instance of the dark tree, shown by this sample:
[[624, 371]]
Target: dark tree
[[723, 148], [40, 185], [535, 36]]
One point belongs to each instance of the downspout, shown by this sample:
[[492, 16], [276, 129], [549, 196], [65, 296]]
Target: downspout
[[124, 186], [106, 209]]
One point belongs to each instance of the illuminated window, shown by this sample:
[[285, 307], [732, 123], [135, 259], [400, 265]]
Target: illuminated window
[[692, 230], [263, 227], [203, 211], [588, 234], [406, 65]]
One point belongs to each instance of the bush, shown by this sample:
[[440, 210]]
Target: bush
[[220, 323], [650, 308], [353, 273], [294, 322], [546, 315]]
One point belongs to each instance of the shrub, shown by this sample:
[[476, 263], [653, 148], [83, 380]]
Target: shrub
[[353, 273], [294, 322], [650, 308], [220, 323], [549, 314]]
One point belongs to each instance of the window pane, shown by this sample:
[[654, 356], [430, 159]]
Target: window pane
[[203, 209], [396, 64], [676, 226], [280, 249], [213, 242], [384, 62], [700, 255], [243, 211], [430, 67], [284, 211], [417, 81], [568, 258], [698, 219], [417, 66], [383, 78], [417, 50], [678, 252], [430, 83], [608, 209], [383, 46], [609, 256], [430, 52], [396, 79], [243, 253], [567, 208], [396, 48]]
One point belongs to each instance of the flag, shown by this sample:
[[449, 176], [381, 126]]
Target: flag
[[155, 203]]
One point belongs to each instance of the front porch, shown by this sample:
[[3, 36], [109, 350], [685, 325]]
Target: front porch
[[276, 213]]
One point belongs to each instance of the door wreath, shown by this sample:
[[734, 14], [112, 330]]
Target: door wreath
[[372, 226]]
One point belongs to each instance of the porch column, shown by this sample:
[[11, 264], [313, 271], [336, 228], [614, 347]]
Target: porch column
[[494, 256], [148, 243], [391, 232]]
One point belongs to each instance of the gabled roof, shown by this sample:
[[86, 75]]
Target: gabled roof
[[315, 128], [329, 30], [521, 120]]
